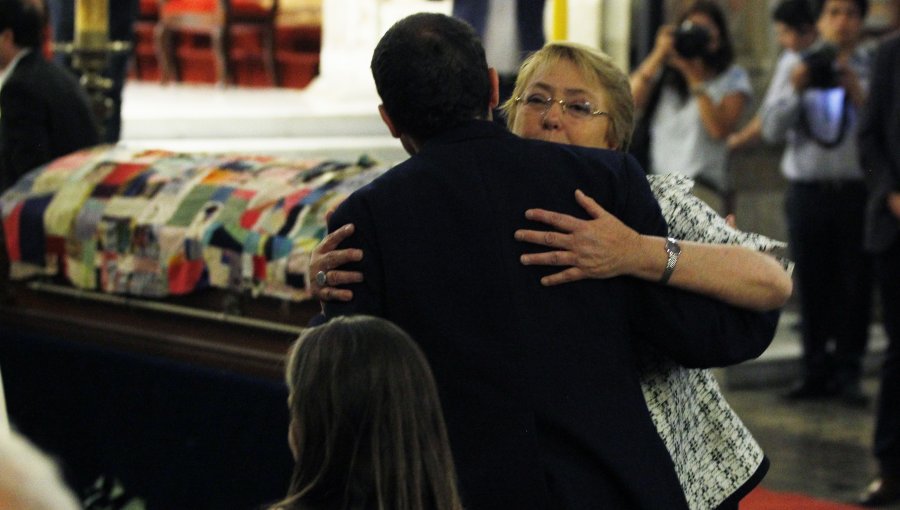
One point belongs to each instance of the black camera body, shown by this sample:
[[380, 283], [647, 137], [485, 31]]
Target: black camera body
[[691, 40], [820, 62]]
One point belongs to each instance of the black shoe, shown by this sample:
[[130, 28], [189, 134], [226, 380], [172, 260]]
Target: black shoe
[[810, 390], [884, 490]]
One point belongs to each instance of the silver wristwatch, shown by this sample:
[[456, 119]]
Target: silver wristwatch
[[673, 250]]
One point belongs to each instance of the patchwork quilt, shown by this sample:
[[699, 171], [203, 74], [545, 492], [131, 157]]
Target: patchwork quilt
[[155, 223]]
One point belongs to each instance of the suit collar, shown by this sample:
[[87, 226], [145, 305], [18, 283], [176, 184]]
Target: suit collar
[[468, 130], [23, 53]]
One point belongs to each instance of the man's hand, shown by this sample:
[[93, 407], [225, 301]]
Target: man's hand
[[597, 248], [326, 258]]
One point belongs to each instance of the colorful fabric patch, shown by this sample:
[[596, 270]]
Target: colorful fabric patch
[[155, 223]]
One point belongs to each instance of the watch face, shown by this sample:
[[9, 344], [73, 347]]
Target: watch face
[[673, 247]]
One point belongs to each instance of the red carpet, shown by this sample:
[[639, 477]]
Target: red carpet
[[764, 499]]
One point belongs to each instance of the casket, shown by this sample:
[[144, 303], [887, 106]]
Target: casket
[[209, 237], [151, 300]]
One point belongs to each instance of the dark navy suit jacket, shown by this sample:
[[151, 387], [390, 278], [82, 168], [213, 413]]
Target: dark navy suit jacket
[[45, 114], [539, 385], [879, 134]]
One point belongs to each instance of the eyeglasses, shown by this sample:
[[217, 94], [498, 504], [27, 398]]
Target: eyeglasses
[[541, 104]]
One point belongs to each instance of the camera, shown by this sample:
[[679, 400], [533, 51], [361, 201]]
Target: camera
[[820, 62], [691, 40]]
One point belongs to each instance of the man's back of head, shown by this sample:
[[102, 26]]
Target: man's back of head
[[25, 19], [431, 73]]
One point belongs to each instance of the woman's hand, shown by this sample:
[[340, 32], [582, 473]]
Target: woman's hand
[[597, 248], [326, 258]]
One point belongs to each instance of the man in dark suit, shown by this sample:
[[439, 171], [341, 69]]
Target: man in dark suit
[[878, 136], [44, 112], [539, 385]]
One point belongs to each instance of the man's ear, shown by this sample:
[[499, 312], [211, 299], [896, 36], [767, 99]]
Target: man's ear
[[387, 121], [495, 87]]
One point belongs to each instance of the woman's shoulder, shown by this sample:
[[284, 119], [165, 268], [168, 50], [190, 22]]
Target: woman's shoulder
[[672, 186], [734, 79], [736, 71], [735, 74]]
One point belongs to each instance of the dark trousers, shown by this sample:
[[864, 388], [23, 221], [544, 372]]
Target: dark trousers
[[825, 225], [887, 423]]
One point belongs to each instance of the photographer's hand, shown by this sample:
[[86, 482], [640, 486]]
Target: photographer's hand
[[849, 81], [693, 70], [800, 76], [642, 77]]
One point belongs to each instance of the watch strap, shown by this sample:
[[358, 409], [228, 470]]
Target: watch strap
[[673, 250]]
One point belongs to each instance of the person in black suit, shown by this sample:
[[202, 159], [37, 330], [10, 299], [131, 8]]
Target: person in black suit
[[509, 45], [44, 112], [539, 385], [880, 153]]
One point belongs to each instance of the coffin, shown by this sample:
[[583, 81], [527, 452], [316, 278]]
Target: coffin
[[191, 238], [152, 297]]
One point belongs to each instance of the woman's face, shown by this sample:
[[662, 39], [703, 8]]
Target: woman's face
[[562, 80]]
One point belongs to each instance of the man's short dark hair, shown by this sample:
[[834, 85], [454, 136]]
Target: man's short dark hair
[[863, 6], [431, 73], [26, 21], [796, 14]]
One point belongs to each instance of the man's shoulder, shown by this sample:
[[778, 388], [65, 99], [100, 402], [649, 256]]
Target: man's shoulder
[[39, 73], [573, 154], [502, 156], [890, 45]]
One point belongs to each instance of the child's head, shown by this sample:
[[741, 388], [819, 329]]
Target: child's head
[[366, 422], [795, 26]]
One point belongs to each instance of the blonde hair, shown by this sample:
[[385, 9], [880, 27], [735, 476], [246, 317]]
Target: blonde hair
[[596, 67]]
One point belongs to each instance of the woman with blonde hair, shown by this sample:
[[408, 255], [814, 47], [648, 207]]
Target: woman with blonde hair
[[715, 456]]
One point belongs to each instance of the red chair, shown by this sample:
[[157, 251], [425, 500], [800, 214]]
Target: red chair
[[146, 65], [221, 21]]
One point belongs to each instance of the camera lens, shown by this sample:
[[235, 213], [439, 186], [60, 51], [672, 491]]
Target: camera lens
[[820, 62], [691, 40]]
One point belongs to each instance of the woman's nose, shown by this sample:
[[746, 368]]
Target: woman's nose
[[553, 116]]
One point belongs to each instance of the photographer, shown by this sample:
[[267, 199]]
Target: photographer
[[816, 114], [795, 31], [690, 97]]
